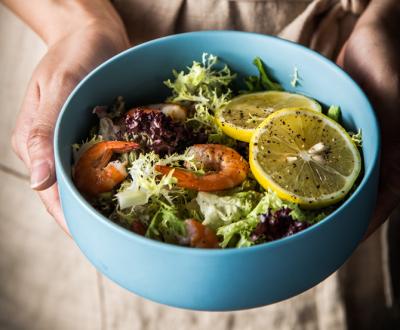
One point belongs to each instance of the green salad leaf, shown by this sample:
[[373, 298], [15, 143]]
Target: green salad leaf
[[167, 226], [238, 233], [223, 210], [357, 138], [201, 83], [295, 77], [262, 81], [145, 182], [205, 87], [243, 228], [335, 113]]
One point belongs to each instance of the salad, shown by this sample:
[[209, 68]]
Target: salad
[[216, 165]]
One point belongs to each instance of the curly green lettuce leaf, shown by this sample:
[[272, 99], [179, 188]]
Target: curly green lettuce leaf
[[222, 210], [261, 82], [238, 233], [167, 226], [145, 182], [242, 229], [202, 81], [204, 87], [357, 138]]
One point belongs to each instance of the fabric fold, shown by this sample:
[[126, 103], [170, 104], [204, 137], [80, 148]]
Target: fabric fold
[[325, 25]]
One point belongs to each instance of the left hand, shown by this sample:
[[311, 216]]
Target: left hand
[[66, 62], [371, 57]]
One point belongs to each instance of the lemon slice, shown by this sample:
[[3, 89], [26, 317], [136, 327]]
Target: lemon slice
[[244, 113], [305, 157]]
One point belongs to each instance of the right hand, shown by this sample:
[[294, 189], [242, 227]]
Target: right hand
[[371, 57], [67, 61]]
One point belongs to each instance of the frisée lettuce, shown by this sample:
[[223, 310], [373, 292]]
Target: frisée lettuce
[[222, 210], [146, 182], [204, 87]]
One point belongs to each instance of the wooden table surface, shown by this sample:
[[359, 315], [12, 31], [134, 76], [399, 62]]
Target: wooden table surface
[[46, 282]]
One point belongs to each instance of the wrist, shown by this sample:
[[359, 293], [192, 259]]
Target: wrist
[[72, 16], [53, 20]]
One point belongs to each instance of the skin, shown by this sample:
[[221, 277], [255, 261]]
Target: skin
[[82, 34], [371, 57]]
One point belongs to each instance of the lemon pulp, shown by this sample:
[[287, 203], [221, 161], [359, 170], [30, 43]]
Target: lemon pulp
[[241, 116], [305, 157]]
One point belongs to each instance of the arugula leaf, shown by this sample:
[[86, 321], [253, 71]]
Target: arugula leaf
[[262, 81]]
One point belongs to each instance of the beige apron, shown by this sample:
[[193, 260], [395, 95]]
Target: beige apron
[[359, 296], [322, 25]]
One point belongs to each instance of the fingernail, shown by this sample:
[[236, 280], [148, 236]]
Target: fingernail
[[40, 173]]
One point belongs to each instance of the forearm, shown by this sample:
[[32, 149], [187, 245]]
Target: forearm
[[384, 11], [54, 19], [386, 4]]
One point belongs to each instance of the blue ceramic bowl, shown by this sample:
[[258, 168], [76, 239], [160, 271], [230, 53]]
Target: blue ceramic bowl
[[216, 279]]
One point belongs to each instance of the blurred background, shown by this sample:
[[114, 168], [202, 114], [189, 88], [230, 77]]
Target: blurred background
[[46, 282]]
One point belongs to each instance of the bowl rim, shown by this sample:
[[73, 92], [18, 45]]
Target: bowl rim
[[205, 251]]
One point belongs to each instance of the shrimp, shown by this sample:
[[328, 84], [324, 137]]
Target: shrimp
[[228, 168], [199, 235], [94, 173], [176, 112]]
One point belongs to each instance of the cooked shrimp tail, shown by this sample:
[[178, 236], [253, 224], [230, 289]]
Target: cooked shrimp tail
[[94, 173], [226, 167], [200, 236]]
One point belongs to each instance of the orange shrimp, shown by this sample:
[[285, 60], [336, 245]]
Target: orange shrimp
[[228, 168], [200, 236], [94, 173]]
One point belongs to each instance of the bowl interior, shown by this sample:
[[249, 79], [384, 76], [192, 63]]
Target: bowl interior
[[138, 75]]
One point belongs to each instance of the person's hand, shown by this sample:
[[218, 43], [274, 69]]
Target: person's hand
[[67, 61], [371, 57]]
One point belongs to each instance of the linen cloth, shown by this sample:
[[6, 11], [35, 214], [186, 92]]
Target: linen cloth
[[363, 294]]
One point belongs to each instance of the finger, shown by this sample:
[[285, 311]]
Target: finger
[[24, 121], [51, 200], [40, 139], [40, 150]]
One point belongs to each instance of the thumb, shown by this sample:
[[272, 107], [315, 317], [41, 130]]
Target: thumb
[[40, 150], [40, 138]]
